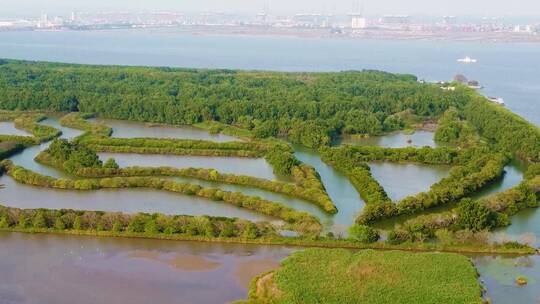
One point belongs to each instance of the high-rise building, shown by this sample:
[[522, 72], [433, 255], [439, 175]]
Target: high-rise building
[[358, 21]]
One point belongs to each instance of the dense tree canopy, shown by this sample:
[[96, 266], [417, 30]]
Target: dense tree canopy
[[309, 107]]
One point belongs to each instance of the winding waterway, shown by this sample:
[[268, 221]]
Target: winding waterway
[[118, 270], [156, 259], [114, 200], [8, 128]]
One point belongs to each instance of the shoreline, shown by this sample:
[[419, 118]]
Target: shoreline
[[285, 241], [271, 32]]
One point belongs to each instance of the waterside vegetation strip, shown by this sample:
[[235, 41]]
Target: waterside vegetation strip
[[310, 194], [311, 109], [81, 160], [28, 122], [484, 214], [204, 229], [301, 221], [473, 169]]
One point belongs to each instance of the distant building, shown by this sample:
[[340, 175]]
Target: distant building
[[449, 20], [312, 20], [524, 29], [358, 22], [396, 19]]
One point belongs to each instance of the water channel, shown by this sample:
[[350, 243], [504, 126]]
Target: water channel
[[133, 129], [400, 139], [126, 200], [175, 271], [8, 128]]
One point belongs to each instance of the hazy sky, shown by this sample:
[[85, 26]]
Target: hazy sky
[[372, 7]]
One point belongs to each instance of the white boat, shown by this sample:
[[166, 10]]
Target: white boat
[[467, 60]]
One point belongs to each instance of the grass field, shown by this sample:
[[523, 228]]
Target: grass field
[[367, 276]]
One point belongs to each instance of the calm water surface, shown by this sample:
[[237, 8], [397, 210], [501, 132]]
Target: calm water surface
[[117, 200], [114, 200], [54, 121], [257, 167], [8, 128], [506, 70], [498, 275], [115, 270], [51, 269], [339, 188], [26, 157], [130, 129], [395, 140], [402, 180]]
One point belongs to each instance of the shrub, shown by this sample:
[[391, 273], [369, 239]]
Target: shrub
[[363, 234], [111, 164], [475, 216], [396, 237]]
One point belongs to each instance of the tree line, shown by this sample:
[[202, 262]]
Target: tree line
[[309, 108], [297, 220], [150, 225]]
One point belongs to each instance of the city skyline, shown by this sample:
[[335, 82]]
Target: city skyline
[[26, 8]]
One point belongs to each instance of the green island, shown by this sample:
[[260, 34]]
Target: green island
[[271, 115], [369, 277]]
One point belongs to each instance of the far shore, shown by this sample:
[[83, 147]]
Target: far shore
[[325, 33]]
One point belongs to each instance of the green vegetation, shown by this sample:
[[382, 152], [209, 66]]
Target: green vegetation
[[503, 129], [76, 158], [340, 276], [456, 131], [363, 234], [308, 108], [299, 221], [473, 169], [149, 225], [471, 216], [425, 155], [215, 127], [79, 121], [312, 109], [28, 122], [475, 216], [462, 181], [317, 196], [72, 156], [359, 174]]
